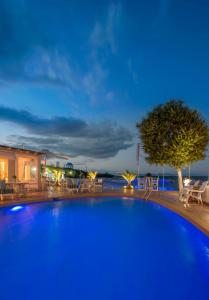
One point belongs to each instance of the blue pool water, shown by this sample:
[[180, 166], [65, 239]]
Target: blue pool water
[[101, 249]]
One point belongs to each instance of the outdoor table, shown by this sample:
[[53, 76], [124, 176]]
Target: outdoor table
[[18, 187]]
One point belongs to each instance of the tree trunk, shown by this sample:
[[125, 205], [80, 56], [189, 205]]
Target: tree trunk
[[180, 180]]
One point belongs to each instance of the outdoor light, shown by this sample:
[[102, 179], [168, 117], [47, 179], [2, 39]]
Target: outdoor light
[[187, 181], [16, 208]]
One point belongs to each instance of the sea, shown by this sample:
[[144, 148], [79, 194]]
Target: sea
[[168, 182]]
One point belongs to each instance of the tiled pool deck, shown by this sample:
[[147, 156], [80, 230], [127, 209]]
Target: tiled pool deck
[[196, 214]]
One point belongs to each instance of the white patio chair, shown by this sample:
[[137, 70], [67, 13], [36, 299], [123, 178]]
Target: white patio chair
[[86, 185], [152, 185], [194, 185], [184, 193], [2, 188], [196, 194], [155, 183], [5, 190], [72, 186], [141, 183], [63, 185], [52, 186], [44, 184], [98, 185]]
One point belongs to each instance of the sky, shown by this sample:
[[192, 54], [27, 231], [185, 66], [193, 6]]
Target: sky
[[77, 75]]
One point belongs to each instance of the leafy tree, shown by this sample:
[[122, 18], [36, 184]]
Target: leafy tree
[[175, 135]]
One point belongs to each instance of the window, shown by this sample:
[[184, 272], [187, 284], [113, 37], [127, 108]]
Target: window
[[3, 169], [27, 169]]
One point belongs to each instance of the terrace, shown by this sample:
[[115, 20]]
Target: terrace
[[195, 213], [29, 182]]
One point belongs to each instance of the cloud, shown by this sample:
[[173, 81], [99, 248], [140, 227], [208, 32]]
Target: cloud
[[29, 55], [113, 22], [50, 66], [94, 84], [40, 66], [74, 137], [19, 34], [132, 71], [102, 43], [35, 125], [103, 33], [104, 147]]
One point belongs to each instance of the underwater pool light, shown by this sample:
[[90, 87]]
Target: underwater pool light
[[16, 208]]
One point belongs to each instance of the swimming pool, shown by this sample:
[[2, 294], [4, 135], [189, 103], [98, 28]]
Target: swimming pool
[[104, 249]]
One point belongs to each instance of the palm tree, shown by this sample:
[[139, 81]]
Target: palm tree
[[57, 175], [92, 175], [129, 177]]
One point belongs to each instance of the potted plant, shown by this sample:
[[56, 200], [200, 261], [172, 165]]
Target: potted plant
[[92, 175], [129, 177]]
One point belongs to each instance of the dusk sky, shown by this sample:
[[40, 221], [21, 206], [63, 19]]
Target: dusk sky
[[77, 75]]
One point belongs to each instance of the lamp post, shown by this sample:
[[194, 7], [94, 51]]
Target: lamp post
[[163, 178], [138, 158]]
